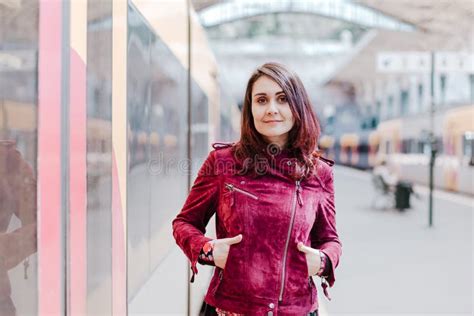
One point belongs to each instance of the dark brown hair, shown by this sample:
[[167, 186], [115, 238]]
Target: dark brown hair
[[302, 138]]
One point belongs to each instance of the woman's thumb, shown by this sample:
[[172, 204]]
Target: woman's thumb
[[235, 240], [301, 247]]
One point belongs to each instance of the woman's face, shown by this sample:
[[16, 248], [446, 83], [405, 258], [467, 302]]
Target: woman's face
[[271, 112]]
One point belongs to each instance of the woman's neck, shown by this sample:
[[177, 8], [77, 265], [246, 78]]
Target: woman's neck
[[278, 141]]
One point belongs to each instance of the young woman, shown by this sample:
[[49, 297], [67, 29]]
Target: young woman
[[273, 197]]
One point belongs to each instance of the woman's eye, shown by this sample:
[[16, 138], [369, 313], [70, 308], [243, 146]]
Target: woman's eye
[[282, 99], [261, 100]]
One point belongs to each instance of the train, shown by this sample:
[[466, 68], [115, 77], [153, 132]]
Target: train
[[405, 144], [101, 99]]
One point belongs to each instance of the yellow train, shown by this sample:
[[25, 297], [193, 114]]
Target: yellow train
[[404, 144]]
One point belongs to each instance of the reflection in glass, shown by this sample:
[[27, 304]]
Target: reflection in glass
[[17, 220], [99, 157], [157, 144], [18, 143]]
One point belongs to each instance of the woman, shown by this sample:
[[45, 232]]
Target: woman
[[274, 203]]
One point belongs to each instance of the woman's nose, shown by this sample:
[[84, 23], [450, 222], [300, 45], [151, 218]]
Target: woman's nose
[[272, 109]]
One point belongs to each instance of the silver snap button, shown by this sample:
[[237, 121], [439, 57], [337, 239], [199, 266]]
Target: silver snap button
[[271, 305], [288, 163]]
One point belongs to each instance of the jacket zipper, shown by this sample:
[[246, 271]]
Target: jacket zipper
[[232, 187], [296, 198]]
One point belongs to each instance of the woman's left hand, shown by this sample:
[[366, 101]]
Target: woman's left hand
[[313, 258]]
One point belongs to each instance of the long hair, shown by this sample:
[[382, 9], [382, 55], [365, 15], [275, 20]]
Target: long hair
[[302, 138]]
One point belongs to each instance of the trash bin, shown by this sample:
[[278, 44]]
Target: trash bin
[[403, 191]]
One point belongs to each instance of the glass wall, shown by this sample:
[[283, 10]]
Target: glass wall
[[156, 142], [18, 156], [99, 158], [138, 107]]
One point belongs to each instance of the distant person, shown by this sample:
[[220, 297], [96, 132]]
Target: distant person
[[273, 196], [388, 176], [17, 197]]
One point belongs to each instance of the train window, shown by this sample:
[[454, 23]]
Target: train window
[[389, 107], [420, 147], [373, 122], [408, 146], [468, 147], [414, 146], [420, 97], [426, 148], [363, 148], [404, 146], [404, 102]]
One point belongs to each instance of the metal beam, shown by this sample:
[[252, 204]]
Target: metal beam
[[335, 9]]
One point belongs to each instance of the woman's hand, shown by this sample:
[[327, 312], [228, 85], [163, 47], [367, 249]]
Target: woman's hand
[[313, 258], [221, 249]]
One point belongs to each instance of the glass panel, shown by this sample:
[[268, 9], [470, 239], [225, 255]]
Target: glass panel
[[18, 156], [99, 157], [168, 181], [138, 192], [157, 144], [200, 138]]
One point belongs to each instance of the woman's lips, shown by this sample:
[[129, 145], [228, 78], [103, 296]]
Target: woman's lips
[[272, 121]]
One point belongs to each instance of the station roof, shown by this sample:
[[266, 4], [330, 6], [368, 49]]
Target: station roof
[[214, 13], [442, 17], [402, 25], [440, 26]]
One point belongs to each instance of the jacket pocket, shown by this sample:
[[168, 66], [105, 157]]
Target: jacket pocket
[[306, 264], [235, 206], [312, 289], [218, 282], [232, 279]]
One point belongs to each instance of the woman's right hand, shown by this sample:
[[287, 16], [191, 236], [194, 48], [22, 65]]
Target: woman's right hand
[[221, 249]]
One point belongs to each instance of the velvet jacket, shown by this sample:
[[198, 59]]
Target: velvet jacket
[[265, 274]]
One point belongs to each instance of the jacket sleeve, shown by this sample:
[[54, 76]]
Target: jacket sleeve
[[189, 226], [324, 234]]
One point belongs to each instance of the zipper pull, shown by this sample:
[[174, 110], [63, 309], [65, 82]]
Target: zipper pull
[[298, 193], [194, 270], [324, 285], [231, 189]]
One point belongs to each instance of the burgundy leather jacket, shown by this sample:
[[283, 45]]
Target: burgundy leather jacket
[[265, 274]]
